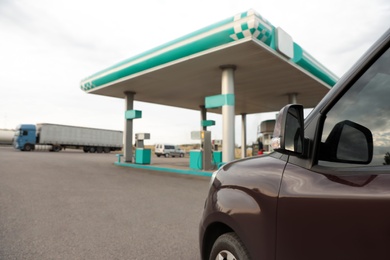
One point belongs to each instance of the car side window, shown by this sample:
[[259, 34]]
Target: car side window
[[360, 121]]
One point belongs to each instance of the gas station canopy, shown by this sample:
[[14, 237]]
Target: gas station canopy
[[269, 67]]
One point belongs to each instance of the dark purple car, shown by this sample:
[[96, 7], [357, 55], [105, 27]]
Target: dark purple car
[[325, 191]]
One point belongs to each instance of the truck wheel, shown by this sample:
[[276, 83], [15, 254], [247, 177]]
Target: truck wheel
[[229, 246], [56, 148], [85, 149], [107, 149], [27, 147], [99, 149], [158, 155], [92, 150]]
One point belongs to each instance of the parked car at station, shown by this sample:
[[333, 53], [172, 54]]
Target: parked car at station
[[325, 191], [168, 150]]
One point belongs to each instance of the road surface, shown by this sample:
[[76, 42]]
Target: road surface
[[73, 205]]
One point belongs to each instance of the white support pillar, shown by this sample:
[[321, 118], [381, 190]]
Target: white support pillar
[[243, 135], [292, 98], [228, 114], [128, 131]]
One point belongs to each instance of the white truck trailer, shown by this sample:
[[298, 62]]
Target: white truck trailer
[[6, 136], [57, 137]]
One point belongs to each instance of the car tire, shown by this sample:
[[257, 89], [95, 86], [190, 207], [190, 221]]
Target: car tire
[[229, 246]]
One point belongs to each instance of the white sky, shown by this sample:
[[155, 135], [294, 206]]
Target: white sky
[[47, 47]]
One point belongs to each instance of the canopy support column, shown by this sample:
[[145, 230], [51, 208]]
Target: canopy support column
[[228, 113], [128, 131], [203, 117], [292, 98], [243, 135]]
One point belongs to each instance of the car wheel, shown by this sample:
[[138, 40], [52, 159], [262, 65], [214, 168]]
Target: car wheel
[[166, 155], [229, 246]]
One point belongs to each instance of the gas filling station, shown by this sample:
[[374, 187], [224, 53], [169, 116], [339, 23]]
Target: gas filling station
[[239, 66]]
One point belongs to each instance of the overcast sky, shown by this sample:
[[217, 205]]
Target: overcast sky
[[48, 46]]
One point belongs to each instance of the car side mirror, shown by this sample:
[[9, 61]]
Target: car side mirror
[[288, 136], [348, 142]]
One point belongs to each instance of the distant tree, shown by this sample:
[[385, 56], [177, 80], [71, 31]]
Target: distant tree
[[387, 159]]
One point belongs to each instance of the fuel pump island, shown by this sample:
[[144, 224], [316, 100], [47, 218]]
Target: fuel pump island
[[202, 159]]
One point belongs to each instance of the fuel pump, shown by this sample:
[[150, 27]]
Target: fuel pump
[[202, 159], [139, 139], [142, 155]]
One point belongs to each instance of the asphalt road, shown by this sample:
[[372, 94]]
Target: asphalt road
[[72, 205]]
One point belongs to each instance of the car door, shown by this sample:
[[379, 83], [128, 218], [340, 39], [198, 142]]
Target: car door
[[339, 208]]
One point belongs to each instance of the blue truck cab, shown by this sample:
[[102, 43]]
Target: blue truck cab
[[25, 137]]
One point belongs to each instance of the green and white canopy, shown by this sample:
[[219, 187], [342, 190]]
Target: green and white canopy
[[183, 72]]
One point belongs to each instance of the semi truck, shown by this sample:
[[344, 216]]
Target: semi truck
[[53, 137]]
